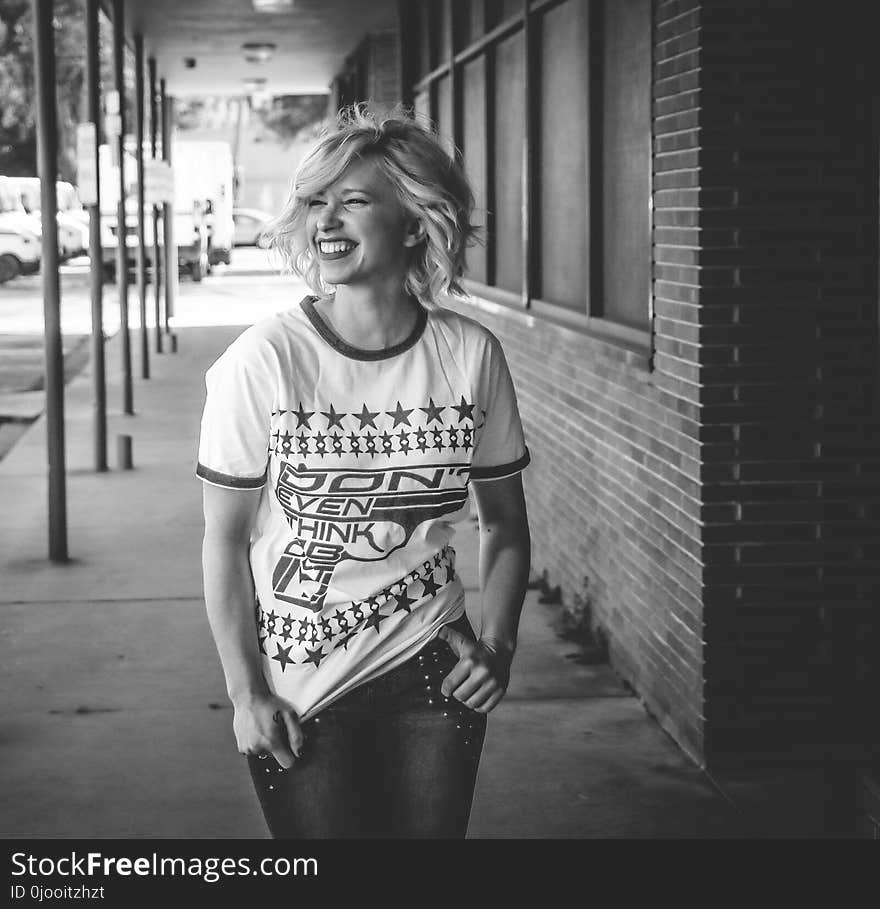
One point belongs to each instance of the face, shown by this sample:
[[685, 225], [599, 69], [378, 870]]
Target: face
[[358, 231]]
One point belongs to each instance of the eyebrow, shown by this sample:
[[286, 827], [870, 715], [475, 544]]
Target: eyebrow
[[356, 189]]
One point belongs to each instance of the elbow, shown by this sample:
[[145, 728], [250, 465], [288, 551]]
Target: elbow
[[217, 542], [507, 534]]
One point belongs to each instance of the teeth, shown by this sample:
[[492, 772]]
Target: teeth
[[335, 246]]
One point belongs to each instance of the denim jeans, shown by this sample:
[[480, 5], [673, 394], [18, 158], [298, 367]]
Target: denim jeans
[[392, 758]]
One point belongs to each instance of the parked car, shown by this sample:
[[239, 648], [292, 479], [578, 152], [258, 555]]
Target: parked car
[[12, 212], [73, 235], [19, 252], [249, 224]]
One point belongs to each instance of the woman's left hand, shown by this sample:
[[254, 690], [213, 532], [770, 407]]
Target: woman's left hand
[[480, 678]]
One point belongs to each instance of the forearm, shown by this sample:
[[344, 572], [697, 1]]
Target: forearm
[[229, 598], [505, 551]]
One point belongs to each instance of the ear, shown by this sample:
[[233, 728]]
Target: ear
[[415, 233]]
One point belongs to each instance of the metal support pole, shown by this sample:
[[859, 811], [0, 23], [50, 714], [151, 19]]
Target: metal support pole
[[47, 154], [121, 233], [157, 262], [96, 263], [142, 227], [168, 210]]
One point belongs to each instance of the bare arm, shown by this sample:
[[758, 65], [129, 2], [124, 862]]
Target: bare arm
[[229, 598], [480, 679]]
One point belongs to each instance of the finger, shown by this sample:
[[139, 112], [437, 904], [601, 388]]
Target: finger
[[471, 685], [451, 636], [482, 694], [492, 702], [459, 672], [284, 756], [295, 737]]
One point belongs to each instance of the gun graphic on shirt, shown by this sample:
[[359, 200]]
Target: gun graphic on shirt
[[361, 515]]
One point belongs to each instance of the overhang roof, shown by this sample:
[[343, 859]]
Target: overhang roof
[[313, 38]]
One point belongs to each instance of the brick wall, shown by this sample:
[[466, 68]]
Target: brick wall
[[384, 67], [614, 489], [787, 267], [724, 508], [370, 73]]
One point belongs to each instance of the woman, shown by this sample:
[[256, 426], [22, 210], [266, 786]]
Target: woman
[[339, 441]]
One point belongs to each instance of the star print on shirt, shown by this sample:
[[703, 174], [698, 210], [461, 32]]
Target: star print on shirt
[[430, 585], [283, 656], [314, 656], [335, 419], [400, 416], [367, 417], [344, 642], [303, 416], [375, 620], [432, 411], [404, 602], [465, 410]]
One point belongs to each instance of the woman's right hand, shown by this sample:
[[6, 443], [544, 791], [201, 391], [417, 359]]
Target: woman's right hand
[[264, 724]]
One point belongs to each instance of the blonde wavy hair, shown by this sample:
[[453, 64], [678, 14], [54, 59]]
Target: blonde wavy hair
[[429, 183]]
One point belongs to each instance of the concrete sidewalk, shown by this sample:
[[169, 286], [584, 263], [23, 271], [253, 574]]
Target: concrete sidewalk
[[115, 721]]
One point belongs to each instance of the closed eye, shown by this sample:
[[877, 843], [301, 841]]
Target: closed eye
[[356, 201], [313, 203]]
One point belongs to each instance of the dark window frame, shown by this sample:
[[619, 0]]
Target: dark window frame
[[588, 319]]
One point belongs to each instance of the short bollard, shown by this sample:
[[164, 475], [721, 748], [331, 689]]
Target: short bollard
[[173, 343], [123, 452]]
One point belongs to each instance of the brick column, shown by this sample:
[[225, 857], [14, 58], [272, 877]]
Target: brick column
[[785, 272]]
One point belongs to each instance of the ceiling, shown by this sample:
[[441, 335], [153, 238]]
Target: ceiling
[[313, 39]]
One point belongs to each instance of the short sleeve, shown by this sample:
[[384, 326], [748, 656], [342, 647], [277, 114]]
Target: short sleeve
[[500, 449], [236, 421]]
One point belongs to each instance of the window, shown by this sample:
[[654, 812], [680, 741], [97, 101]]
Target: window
[[549, 103]]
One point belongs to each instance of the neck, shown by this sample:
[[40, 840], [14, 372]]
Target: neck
[[372, 317]]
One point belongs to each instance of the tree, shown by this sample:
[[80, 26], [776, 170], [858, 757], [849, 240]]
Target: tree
[[288, 115], [18, 153]]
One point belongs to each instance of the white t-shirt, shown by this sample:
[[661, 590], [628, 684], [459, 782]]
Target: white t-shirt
[[364, 459]]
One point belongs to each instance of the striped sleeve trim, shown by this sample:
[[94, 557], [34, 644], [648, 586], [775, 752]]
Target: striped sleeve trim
[[502, 470], [215, 478]]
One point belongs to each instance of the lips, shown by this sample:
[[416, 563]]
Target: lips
[[335, 249]]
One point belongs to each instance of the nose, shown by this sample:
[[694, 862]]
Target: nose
[[328, 217]]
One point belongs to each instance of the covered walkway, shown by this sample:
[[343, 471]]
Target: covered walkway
[[116, 721]]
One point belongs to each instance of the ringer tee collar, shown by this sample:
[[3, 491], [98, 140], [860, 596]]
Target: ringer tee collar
[[359, 353]]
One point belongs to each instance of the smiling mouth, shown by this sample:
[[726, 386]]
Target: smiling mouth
[[335, 249]]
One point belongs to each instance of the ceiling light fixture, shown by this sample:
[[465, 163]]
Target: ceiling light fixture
[[258, 51], [272, 6]]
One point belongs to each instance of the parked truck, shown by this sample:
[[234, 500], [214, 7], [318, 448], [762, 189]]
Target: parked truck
[[203, 230]]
